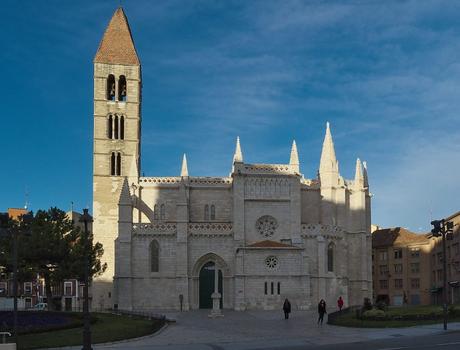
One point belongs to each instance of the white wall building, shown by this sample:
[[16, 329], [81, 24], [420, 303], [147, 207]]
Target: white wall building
[[272, 233]]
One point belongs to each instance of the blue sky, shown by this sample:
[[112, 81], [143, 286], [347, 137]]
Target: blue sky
[[385, 74]]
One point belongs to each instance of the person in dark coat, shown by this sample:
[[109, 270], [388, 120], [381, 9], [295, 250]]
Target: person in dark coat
[[321, 311], [286, 308]]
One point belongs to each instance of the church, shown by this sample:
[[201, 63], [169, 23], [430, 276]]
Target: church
[[263, 233]]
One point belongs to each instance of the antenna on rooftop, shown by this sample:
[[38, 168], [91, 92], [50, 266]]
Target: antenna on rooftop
[[71, 207]]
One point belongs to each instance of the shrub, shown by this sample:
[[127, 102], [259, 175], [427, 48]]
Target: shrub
[[381, 305], [454, 310], [374, 314]]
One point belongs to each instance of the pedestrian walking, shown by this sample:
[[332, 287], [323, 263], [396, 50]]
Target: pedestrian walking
[[286, 308], [321, 311], [340, 303]]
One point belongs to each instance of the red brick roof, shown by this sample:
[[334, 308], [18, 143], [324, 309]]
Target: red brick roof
[[396, 236], [269, 244], [117, 46]]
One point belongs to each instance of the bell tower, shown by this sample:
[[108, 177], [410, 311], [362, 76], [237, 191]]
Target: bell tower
[[117, 125]]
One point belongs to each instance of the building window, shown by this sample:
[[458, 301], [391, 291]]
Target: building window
[[272, 288], [398, 269], [110, 126], [383, 284], [415, 252], [162, 212], [28, 288], [155, 212], [122, 88], [398, 283], [271, 262], [383, 256], [67, 288], [115, 164], [154, 256], [122, 127], [206, 212], [111, 88], [266, 225], [415, 283], [266, 288], [330, 257], [398, 254], [439, 273], [213, 212], [439, 255], [415, 267], [383, 270], [279, 288], [455, 248]]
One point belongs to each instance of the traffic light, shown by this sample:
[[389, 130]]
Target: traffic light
[[437, 227]]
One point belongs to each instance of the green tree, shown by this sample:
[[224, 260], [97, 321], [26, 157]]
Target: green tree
[[55, 249]]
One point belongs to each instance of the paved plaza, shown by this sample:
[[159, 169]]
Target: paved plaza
[[258, 330]]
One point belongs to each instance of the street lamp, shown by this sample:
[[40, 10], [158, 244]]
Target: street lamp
[[86, 218], [14, 230], [444, 229]]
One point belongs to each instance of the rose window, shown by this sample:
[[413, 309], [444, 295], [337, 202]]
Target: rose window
[[266, 225], [271, 262]]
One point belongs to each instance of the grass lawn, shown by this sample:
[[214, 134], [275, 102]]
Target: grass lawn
[[350, 320], [107, 328]]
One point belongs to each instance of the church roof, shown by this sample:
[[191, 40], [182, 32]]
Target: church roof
[[396, 236], [269, 244], [117, 45]]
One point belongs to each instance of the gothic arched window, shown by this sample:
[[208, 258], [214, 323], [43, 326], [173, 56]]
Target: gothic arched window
[[122, 88], [206, 212], [112, 164], [330, 257], [109, 126], [116, 128], [155, 211], [154, 256], [213, 212], [110, 88], [162, 212], [118, 169], [122, 128]]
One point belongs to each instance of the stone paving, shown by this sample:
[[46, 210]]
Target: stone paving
[[257, 330]]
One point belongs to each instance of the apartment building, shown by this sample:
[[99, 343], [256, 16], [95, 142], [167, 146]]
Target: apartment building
[[400, 266]]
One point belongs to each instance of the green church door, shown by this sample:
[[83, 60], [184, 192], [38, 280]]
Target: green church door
[[207, 285]]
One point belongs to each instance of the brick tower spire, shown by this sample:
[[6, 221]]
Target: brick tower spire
[[117, 45]]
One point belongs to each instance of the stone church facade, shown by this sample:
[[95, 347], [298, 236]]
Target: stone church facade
[[272, 233]]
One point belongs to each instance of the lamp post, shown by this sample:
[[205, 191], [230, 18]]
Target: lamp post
[[86, 218], [443, 228]]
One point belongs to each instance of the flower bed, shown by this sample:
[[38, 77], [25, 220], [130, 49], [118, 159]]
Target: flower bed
[[40, 321]]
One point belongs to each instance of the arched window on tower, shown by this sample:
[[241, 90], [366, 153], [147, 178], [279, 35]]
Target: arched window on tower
[[110, 126], [118, 170], [155, 212], [110, 88], [122, 128], [154, 256], [112, 164], [330, 257], [213, 212], [116, 128], [206, 212], [122, 88], [162, 212]]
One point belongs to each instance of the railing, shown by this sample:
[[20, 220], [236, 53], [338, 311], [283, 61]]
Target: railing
[[4, 335]]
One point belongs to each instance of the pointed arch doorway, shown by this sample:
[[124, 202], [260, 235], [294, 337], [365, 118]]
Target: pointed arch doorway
[[206, 285]]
